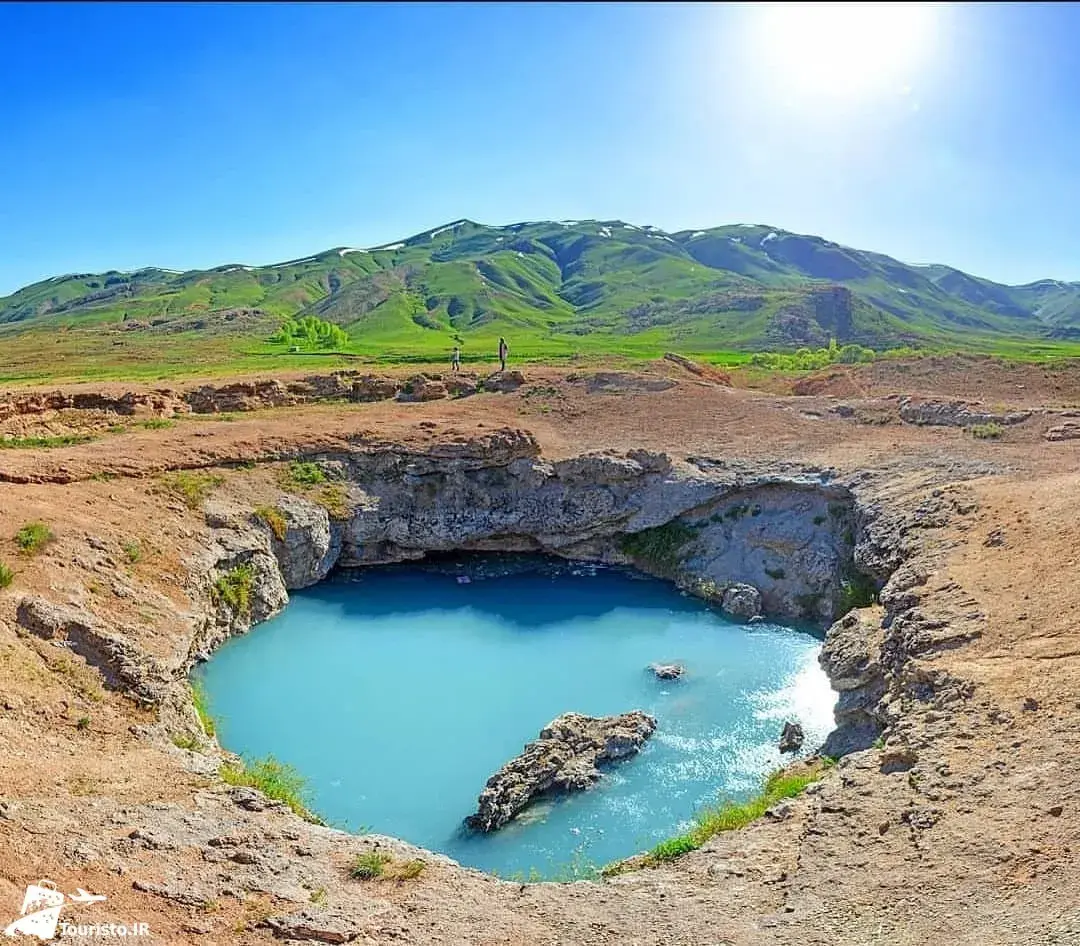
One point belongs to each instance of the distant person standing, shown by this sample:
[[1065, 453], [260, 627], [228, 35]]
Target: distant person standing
[[504, 350], [455, 359]]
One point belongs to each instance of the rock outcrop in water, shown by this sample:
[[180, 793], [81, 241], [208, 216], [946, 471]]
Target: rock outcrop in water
[[792, 737], [667, 671], [563, 759]]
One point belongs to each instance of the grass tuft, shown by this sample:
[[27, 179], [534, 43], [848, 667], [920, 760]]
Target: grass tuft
[[132, 551], [990, 431], [276, 780], [157, 423], [333, 498], [33, 537], [185, 741], [729, 816], [234, 588], [192, 488], [406, 870], [274, 519], [201, 702], [31, 443], [370, 865], [7, 576]]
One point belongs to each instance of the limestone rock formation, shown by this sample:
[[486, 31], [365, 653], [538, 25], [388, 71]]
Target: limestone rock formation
[[742, 601], [122, 665], [563, 759], [667, 671], [792, 737], [310, 546], [955, 413], [851, 656]]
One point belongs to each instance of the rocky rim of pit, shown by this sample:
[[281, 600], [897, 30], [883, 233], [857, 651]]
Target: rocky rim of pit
[[904, 717]]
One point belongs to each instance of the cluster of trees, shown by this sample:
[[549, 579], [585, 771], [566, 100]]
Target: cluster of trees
[[311, 332], [810, 359]]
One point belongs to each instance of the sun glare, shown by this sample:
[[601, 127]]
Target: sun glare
[[843, 50]]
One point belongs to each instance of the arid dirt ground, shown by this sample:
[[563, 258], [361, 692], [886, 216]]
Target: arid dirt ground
[[977, 842]]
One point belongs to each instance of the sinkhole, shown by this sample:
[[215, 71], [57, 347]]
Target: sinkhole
[[398, 690]]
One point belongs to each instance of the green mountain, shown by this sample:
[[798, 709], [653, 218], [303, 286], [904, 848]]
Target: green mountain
[[551, 288]]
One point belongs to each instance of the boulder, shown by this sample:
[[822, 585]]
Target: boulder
[[742, 601], [791, 739], [422, 388], [457, 386], [667, 671], [504, 381], [373, 388], [563, 759]]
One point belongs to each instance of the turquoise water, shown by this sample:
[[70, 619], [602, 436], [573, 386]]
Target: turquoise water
[[398, 691]]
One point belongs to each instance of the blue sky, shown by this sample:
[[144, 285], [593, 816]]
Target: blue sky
[[194, 135]]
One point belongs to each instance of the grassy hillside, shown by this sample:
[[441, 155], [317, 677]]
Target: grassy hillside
[[552, 288]]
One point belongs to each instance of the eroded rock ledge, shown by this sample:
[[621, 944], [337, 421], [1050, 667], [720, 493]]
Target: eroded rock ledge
[[564, 759]]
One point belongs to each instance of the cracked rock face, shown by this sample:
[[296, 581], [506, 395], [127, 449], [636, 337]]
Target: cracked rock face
[[563, 759], [310, 546]]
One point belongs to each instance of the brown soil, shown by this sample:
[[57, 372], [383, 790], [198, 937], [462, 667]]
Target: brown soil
[[977, 843]]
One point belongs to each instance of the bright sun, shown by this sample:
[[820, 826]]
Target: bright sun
[[843, 50]]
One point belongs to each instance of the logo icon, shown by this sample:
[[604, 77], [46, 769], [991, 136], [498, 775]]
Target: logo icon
[[41, 906]]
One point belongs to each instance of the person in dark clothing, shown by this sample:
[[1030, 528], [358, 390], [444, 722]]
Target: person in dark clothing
[[504, 350]]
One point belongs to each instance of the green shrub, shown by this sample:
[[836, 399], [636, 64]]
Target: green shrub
[[659, 546], [276, 780], [274, 519], [990, 431], [33, 537], [83, 723], [7, 576], [192, 488], [157, 423], [234, 588], [304, 474], [369, 865], [856, 591], [132, 551]]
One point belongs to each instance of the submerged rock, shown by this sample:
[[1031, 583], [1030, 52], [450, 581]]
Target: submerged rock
[[742, 601], [667, 671], [791, 739], [563, 759]]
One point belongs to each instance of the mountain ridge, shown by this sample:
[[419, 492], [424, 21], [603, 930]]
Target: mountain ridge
[[569, 285]]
